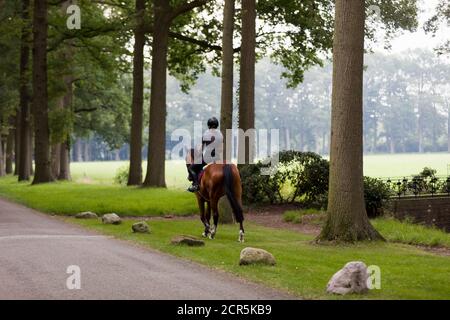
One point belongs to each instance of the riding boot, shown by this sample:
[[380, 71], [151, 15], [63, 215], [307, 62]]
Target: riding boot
[[193, 175]]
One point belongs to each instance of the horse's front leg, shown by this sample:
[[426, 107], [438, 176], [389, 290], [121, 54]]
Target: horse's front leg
[[205, 221]]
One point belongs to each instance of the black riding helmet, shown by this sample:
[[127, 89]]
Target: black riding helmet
[[213, 123]]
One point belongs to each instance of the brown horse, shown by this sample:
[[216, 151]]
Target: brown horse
[[219, 180]]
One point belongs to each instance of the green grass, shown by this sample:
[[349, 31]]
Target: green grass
[[302, 268], [405, 232], [295, 216], [70, 198]]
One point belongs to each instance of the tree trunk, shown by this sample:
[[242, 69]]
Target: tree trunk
[[347, 218], [78, 157], [86, 155], [40, 94], [135, 174], [31, 152], [55, 159], [17, 139], [247, 76], [64, 167], [10, 150], [226, 110], [2, 159], [155, 176], [24, 129], [64, 158]]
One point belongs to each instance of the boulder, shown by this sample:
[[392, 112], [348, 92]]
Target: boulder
[[86, 215], [111, 218], [225, 211], [187, 240], [350, 279], [256, 256], [140, 227]]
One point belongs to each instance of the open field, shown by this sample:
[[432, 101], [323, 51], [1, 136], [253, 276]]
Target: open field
[[382, 165], [303, 268]]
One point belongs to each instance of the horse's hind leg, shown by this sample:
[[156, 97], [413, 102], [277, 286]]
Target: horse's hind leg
[[215, 210], [241, 232], [207, 220]]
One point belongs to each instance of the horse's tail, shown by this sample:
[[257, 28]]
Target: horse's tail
[[232, 198]]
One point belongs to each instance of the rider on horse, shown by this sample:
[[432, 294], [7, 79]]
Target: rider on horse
[[209, 137]]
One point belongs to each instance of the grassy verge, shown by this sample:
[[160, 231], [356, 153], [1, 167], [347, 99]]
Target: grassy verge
[[406, 232], [302, 268], [66, 198]]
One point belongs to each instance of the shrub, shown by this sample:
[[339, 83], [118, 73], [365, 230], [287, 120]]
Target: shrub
[[376, 194], [121, 176], [302, 177], [299, 176]]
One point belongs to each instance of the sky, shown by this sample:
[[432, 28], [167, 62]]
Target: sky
[[419, 39]]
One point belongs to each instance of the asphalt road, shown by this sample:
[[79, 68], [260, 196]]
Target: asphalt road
[[36, 251]]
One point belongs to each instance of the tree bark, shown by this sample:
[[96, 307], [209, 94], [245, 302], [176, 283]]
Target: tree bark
[[347, 218], [155, 176], [17, 138], [247, 75], [55, 159], [40, 94], [86, 155], [77, 154], [64, 158], [135, 173], [226, 109], [10, 150], [24, 129], [2, 159]]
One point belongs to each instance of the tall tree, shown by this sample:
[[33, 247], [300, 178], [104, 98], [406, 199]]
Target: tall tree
[[24, 128], [226, 105], [347, 217], [135, 175], [40, 94], [164, 14], [10, 147], [247, 75]]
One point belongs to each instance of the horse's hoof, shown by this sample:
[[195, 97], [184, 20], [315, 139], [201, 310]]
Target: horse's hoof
[[211, 236], [204, 235]]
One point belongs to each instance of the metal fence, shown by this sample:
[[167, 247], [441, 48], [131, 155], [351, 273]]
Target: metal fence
[[415, 186]]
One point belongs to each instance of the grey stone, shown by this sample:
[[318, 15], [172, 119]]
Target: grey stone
[[187, 240], [86, 215], [256, 256], [350, 279], [111, 218], [140, 227]]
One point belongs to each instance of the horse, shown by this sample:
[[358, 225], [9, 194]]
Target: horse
[[217, 180]]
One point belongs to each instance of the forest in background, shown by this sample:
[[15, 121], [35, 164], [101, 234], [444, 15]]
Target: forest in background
[[410, 114]]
